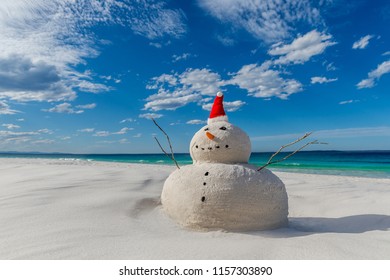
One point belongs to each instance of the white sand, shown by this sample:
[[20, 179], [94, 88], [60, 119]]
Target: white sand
[[51, 209]]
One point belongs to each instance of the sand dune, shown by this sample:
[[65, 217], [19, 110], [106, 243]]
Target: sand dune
[[53, 209]]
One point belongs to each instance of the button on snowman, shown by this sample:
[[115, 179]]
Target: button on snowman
[[220, 190]]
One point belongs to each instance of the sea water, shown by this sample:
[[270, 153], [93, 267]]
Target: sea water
[[348, 163]]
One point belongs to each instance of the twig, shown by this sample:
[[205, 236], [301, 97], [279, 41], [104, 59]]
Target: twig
[[172, 156], [291, 154]]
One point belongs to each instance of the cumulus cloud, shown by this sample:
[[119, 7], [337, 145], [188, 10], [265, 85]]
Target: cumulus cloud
[[266, 20], [322, 80], [42, 42], [302, 48], [196, 122], [261, 81], [202, 81], [362, 43], [150, 116], [198, 85], [375, 75], [177, 90], [68, 109], [228, 106]]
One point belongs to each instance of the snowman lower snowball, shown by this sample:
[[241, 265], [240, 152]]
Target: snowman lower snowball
[[220, 190]]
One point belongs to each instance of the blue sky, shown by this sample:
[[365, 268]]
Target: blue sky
[[85, 76]]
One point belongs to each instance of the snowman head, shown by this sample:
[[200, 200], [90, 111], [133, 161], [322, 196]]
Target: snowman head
[[219, 140]]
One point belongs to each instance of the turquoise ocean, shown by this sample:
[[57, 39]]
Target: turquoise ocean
[[374, 164]]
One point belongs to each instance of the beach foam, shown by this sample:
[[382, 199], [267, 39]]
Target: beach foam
[[51, 209]]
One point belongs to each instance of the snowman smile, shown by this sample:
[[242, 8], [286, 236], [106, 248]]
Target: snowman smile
[[210, 148]]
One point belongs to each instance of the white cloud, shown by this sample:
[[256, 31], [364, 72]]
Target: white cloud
[[45, 131], [226, 41], [348, 101], [386, 53], [123, 130], [302, 48], [104, 133], [184, 56], [63, 108], [169, 101], [138, 135], [67, 108], [92, 87], [6, 133], [362, 43], [267, 20], [228, 106], [87, 106], [329, 66], [5, 109], [127, 120], [20, 120], [196, 122], [111, 78], [17, 137], [10, 126], [150, 115], [42, 42], [260, 81], [177, 90], [152, 20], [156, 45], [201, 81], [375, 75], [322, 80], [89, 130]]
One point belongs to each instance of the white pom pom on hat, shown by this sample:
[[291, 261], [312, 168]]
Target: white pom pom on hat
[[217, 113]]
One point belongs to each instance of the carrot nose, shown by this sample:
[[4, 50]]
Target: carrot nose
[[209, 135]]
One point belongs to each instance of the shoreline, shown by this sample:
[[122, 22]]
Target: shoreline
[[100, 210], [290, 169]]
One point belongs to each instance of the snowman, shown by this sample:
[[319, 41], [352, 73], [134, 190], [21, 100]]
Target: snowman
[[220, 190]]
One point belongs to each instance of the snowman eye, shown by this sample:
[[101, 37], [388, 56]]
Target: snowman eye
[[206, 129], [222, 128]]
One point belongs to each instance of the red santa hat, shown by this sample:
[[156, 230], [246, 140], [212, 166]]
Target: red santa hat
[[217, 113]]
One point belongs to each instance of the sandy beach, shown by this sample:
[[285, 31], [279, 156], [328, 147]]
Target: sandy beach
[[68, 209]]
